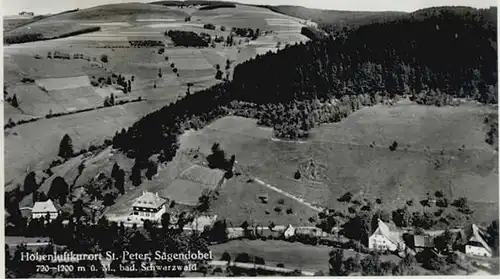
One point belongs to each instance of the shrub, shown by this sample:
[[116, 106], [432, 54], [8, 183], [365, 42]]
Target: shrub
[[104, 58], [393, 146], [209, 26], [297, 175], [346, 197], [439, 194]]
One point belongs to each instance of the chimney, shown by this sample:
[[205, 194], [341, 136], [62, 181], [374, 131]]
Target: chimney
[[157, 194]]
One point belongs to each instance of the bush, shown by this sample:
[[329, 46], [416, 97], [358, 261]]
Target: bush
[[209, 26], [104, 58], [393, 146], [345, 198], [297, 175]]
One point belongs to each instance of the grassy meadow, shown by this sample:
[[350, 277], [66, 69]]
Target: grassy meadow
[[354, 156]]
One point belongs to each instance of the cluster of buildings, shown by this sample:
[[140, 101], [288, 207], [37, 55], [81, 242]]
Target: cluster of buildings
[[387, 238]]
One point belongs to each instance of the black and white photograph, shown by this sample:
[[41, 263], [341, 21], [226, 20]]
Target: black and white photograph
[[243, 138]]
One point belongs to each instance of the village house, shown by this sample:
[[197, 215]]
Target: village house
[[149, 206], [289, 232], [476, 244], [385, 239], [42, 209]]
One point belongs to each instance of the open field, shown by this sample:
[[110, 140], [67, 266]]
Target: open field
[[30, 146], [344, 161], [292, 255]]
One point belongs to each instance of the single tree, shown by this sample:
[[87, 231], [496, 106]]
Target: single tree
[[14, 101], [165, 221], [66, 147], [135, 176], [297, 175], [226, 257], [30, 185], [59, 190]]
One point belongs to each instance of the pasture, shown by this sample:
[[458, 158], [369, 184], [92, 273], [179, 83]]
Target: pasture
[[34, 145], [291, 255], [354, 156]]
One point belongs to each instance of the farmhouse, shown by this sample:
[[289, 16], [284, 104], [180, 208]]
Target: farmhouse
[[383, 238], [289, 232], [149, 206], [42, 209], [476, 245]]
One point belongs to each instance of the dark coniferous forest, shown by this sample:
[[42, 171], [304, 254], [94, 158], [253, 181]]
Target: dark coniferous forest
[[431, 55]]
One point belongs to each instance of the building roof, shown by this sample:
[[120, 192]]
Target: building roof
[[44, 207], [393, 236], [475, 235], [149, 200], [202, 175]]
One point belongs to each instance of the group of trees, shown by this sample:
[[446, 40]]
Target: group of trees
[[187, 38], [218, 160], [217, 6], [372, 62], [126, 85], [146, 43], [105, 236], [32, 37], [246, 32], [369, 266], [312, 33], [209, 26]]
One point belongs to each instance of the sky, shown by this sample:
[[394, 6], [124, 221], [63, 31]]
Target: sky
[[12, 7]]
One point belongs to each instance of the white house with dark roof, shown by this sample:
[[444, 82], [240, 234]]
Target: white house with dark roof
[[42, 209], [383, 238], [476, 245], [149, 206]]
